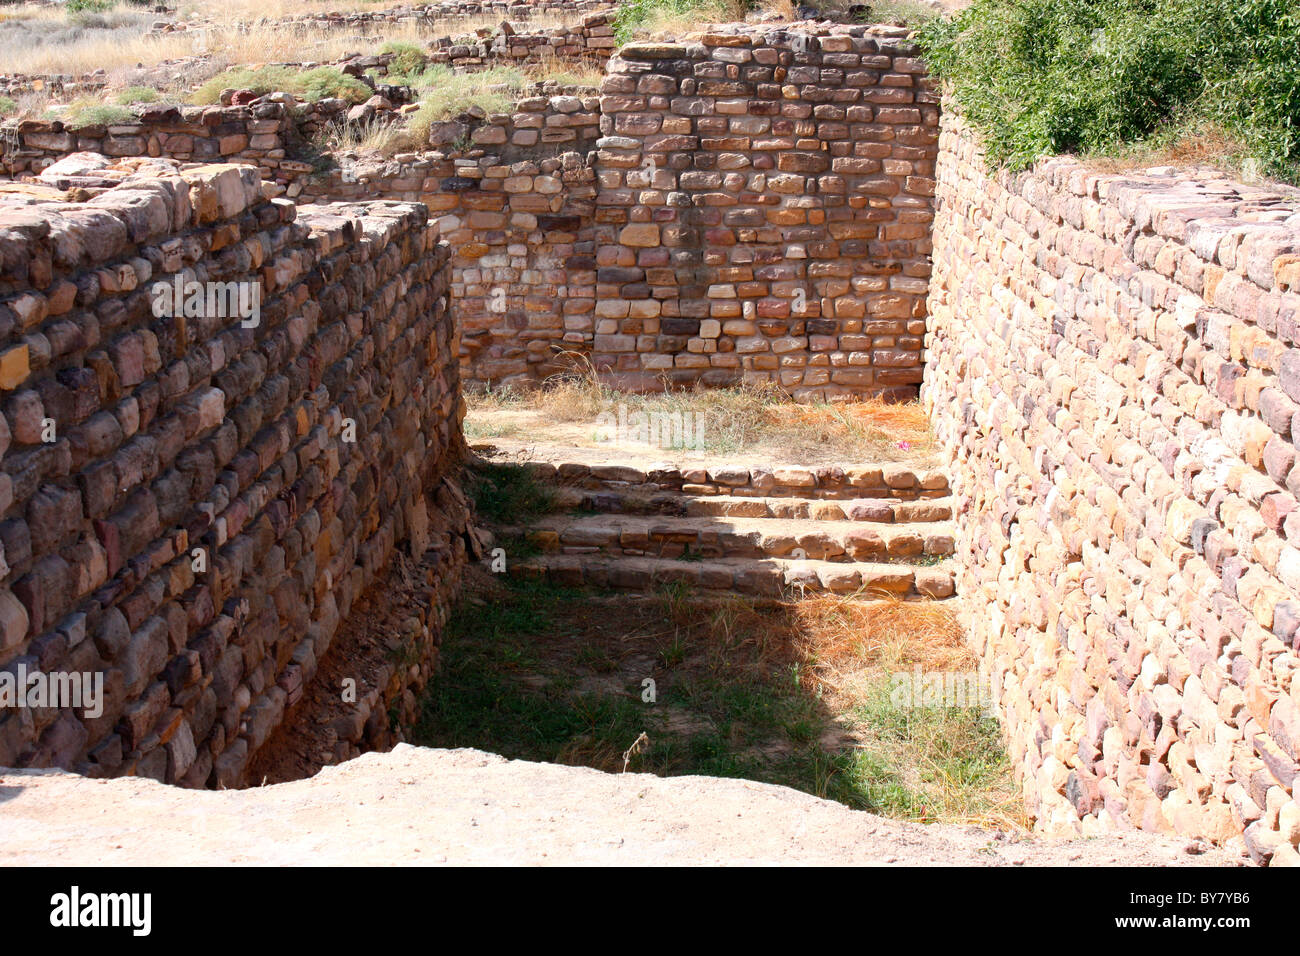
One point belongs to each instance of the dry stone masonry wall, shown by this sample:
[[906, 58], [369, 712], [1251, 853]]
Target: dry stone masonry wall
[[751, 205], [191, 502], [1115, 362], [764, 211], [516, 206], [264, 135], [592, 38]]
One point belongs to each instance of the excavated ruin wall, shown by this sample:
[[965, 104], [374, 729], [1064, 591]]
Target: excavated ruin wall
[[265, 135], [191, 503], [516, 205], [1114, 361], [753, 205], [764, 211], [757, 209]]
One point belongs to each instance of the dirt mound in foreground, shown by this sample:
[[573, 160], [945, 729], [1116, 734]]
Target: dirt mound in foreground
[[421, 806]]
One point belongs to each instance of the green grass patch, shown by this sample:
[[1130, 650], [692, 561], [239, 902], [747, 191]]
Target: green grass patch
[[1038, 77], [533, 671], [315, 84], [508, 494], [89, 6], [674, 15], [901, 13], [449, 94], [136, 94], [89, 112], [923, 763]]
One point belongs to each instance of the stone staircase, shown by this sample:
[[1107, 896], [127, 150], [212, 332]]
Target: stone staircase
[[772, 532]]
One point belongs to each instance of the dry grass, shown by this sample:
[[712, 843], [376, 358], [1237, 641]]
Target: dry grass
[[566, 73], [1202, 144], [846, 644], [375, 134], [48, 40], [746, 418], [785, 9]]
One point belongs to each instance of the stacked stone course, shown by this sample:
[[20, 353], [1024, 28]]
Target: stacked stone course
[[516, 207], [764, 211], [593, 39], [1115, 362], [191, 504], [265, 135]]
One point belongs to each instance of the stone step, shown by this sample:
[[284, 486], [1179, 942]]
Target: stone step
[[888, 480], [768, 578], [881, 510], [753, 538]]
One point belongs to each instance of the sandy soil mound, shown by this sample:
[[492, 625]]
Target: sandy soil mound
[[421, 806]]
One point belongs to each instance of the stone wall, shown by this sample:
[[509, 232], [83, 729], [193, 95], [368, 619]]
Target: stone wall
[[592, 38], [758, 209], [764, 211], [1115, 362], [265, 134], [191, 504], [516, 204]]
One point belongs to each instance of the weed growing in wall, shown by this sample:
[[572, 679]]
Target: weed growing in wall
[[314, 84]]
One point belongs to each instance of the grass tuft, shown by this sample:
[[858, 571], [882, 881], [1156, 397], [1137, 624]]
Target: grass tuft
[[675, 17], [315, 84], [87, 111], [409, 59], [136, 94]]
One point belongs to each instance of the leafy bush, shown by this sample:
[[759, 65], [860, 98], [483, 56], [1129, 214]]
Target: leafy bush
[[89, 6], [7, 106], [1094, 76], [408, 59], [315, 84]]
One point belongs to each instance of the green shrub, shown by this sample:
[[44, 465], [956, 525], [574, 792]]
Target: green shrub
[[1037, 77], [89, 113], [7, 106], [136, 94], [89, 6], [408, 59], [315, 84], [453, 93], [674, 15]]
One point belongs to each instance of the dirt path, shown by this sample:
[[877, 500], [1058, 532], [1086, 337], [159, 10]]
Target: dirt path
[[418, 806]]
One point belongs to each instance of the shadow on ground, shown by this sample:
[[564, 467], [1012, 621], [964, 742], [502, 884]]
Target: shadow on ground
[[674, 684]]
